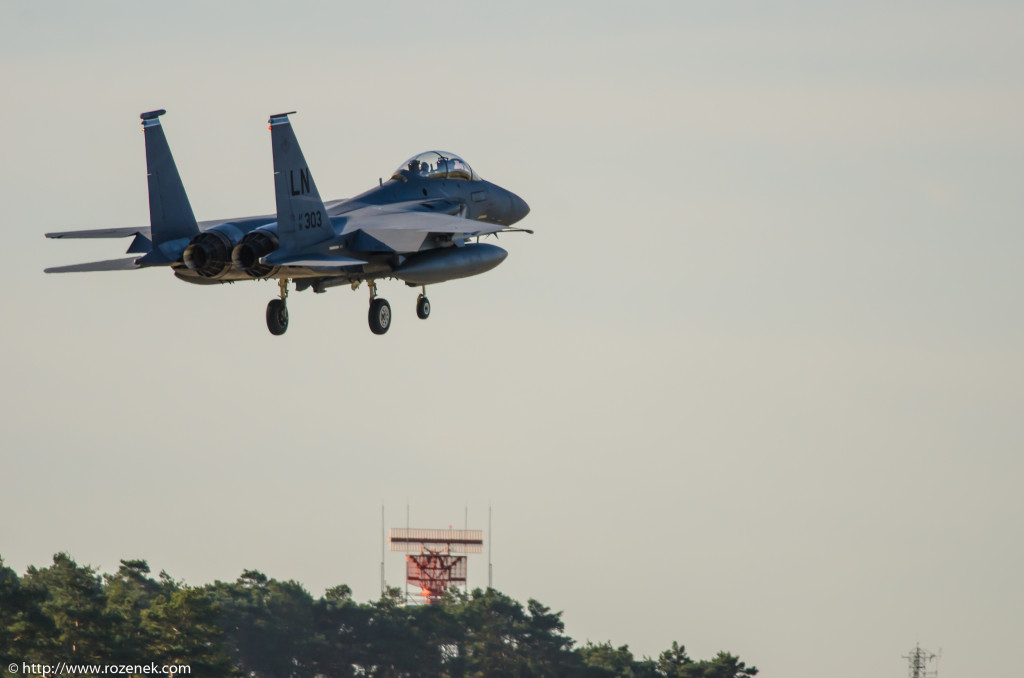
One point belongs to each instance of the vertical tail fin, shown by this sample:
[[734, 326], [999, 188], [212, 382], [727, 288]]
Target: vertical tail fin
[[301, 215], [170, 214]]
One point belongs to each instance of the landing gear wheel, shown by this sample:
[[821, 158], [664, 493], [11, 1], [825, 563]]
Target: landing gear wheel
[[380, 315], [277, 317], [422, 307]]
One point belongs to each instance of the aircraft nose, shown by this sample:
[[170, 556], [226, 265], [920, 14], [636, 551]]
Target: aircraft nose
[[518, 208]]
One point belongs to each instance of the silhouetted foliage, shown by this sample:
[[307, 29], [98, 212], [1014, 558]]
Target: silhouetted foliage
[[260, 627]]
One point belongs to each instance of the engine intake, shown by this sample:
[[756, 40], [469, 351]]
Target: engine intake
[[254, 246]]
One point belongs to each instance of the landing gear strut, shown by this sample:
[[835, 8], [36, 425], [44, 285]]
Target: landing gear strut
[[423, 305], [380, 311], [277, 311]]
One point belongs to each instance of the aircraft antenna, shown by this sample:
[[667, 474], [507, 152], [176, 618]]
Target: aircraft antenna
[[917, 662], [490, 540], [407, 527]]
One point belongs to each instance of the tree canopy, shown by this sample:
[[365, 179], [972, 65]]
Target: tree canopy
[[260, 627]]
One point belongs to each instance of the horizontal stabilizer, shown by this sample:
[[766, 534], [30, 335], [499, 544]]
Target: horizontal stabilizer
[[126, 264], [103, 233]]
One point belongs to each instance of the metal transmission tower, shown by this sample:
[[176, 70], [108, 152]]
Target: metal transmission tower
[[435, 568], [918, 663]]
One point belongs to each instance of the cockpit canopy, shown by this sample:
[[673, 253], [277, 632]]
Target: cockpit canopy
[[436, 165]]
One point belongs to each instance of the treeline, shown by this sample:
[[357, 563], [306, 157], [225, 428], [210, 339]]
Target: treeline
[[261, 627]]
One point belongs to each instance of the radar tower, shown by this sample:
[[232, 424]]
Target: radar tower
[[434, 560], [917, 662]]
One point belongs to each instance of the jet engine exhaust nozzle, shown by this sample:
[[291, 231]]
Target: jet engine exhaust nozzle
[[208, 254], [254, 246]]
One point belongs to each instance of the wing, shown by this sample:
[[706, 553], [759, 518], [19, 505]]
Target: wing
[[388, 230], [126, 264], [312, 261]]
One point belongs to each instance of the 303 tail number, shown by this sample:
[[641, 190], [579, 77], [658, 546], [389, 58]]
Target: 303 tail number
[[309, 220]]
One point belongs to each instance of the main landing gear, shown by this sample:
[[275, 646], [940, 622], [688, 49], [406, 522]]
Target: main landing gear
[[379, 316], [423, 305], [380, 311], [277, 311]]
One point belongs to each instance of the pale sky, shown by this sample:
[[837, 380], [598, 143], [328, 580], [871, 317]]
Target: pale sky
[[755, 384]]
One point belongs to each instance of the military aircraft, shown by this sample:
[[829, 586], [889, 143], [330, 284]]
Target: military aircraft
[[422, 226]]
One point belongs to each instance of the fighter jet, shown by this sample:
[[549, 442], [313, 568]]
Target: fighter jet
[[422, 226]]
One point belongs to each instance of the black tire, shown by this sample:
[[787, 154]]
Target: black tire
[[277, 317], [422, 307], [380, 316]]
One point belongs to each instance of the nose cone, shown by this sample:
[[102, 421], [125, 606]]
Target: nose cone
[[517, 209]]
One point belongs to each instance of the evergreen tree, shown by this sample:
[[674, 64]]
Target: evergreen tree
[[338, 624], [183, 629], [606, 661], [128, 594], [24, 628], [724, 665], [72, 598], [673, 662], [268, 625]]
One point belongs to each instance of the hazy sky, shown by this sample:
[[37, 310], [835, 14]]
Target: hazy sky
[[756, 384]]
